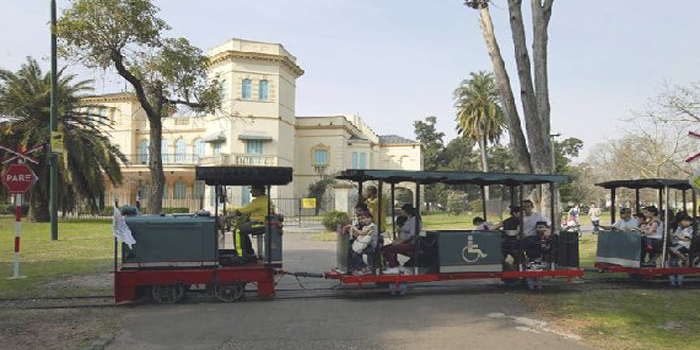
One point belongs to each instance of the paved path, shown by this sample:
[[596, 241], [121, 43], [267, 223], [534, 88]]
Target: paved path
[[469, 316]]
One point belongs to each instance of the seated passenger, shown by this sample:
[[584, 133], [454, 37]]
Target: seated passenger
[[404, 245], [359, 210], [511, 227], [512, 223], [641, 219], [652, 236], [539, 244], [481, 224], [364, 239], [626, 223], [680, 240]]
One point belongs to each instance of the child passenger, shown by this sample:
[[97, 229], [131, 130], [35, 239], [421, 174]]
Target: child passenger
[[363, 237], [680, 240]]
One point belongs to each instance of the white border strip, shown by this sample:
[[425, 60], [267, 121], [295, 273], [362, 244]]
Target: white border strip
[[172, 264], [471, 268], [618, 261]]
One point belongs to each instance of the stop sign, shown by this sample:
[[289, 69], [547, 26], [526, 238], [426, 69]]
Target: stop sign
[[18, 178]]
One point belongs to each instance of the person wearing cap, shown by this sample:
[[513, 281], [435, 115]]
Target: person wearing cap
[[257, 211], [626, 223]]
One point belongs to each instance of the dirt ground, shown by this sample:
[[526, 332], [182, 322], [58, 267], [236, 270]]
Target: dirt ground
[[45, 323]]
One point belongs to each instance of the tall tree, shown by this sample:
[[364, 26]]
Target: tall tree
[[88, 156], [536, 154], [479, 114], [165, 74], [433, 146]]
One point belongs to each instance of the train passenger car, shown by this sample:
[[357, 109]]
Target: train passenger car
[[461, 254], [623, 250], [174, 252]]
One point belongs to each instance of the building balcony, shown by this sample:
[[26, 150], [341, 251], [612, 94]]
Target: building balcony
[[138, 160]]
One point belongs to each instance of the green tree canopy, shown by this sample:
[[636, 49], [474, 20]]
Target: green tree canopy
[[165, 73], [89, 157]]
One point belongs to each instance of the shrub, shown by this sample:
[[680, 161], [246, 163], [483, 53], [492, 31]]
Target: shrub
[[457, 202], [108, 210], [11, 209], [333, 219]]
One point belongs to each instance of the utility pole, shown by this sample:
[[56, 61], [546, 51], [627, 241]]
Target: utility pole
[[54, 128]]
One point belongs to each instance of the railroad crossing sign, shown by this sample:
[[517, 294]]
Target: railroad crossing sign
[[695, 179], [18, 178]]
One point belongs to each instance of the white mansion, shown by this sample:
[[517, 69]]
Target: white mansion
[[261, 128]]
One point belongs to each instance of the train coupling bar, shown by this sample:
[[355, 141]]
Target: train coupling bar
[[301, 274]]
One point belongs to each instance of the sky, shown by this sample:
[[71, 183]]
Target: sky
[[397, 61]]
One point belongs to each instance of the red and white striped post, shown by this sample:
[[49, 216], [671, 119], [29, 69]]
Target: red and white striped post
[[18, 234]]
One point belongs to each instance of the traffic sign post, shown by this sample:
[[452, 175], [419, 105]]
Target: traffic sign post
[[18, 178]]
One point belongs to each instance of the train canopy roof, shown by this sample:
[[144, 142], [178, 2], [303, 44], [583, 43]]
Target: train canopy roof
[[450, 177], [678, 184], [244, 175]]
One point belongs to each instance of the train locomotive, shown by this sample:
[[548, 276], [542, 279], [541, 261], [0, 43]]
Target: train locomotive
[[175, 252]]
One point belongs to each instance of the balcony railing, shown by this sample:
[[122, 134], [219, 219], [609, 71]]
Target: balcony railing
[[194, 159]]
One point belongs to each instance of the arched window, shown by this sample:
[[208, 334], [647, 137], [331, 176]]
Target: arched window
[[165, 150], [247, 92], [199, 148], [263, 90], [179, 190], [199, 189], [355, 161], [144, 152], [363, 160], [321, 157], [165, 192], [180, 151]]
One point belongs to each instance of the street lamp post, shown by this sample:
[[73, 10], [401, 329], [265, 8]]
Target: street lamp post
[[54, 128]]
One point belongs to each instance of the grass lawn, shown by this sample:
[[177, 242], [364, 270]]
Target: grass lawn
[[84, 246], [642, 316]]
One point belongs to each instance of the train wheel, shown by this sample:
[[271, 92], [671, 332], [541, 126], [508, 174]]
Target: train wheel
[[398, 288], [230, 292], [170, 294]]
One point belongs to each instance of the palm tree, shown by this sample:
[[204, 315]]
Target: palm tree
[[88, 160], [479, 114]]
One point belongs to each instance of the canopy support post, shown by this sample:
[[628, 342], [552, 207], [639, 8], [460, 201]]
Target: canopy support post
[[417, 227], [613, 206], [393, 211], [663, 251], [520, 230], [555, 252], [637, 205], [695, 229], [685, 206], [483, 201]]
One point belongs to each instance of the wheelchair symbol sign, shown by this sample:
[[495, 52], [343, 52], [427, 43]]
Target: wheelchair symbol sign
[[471, 252]]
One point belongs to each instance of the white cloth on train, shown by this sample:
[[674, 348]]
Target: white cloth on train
[[121, 230]]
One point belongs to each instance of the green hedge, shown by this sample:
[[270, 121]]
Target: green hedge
[[332, 219], [11, 209]]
